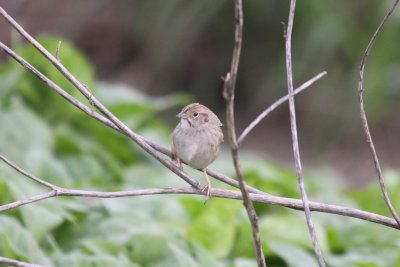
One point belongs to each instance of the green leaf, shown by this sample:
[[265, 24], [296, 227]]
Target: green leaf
[[44, 100], [21, 242], [183, 257], [8, 79], [204, 257], [292, 255], [270, 178], [120, 95], [54, 211], [17, 123], [48, 167], [140, 245], [291, 229], [241, 262], [215, 227], [191, 206], [370, 197], [79, 259]]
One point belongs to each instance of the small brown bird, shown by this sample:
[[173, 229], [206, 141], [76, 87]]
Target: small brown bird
[[196, 139]]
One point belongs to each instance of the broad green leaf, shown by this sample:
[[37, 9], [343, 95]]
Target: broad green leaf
[[80, 259], [33, 214], [241, 262], [150, 175], [43, 99], [21, 242], [204, 257], [370, 197], [244, 244], [149, 248], [270, 178], [291, 229], [293, 255], [22, 131], [114, 95], [8, 79], [45, 165], [41, 219], [215, 227], [6, 174], [86, 171], [191, 206], [361, 259], [87, 157], [183, 257]]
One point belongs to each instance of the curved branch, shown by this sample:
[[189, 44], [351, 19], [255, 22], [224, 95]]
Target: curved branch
[[295, 142], [229, 95], [30, 176], [364, 116]]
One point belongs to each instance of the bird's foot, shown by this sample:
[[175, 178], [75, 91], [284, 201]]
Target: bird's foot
[[207, 190], [179, 163]]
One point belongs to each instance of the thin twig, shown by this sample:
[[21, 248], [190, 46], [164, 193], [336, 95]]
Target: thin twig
[[58, 50], [364, 116], [222, 193], [229, 95], [296, 152], [29, 200], [30, 176], [276, 104], [102, 119], [16, 263]]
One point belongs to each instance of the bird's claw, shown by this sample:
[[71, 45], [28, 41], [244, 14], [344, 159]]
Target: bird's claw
[[179, 163], [207, 190]]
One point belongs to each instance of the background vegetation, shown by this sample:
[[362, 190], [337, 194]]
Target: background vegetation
[[48, 137], [186, 46]]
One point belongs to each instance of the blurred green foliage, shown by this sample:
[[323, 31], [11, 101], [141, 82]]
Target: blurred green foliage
[[49, 138]]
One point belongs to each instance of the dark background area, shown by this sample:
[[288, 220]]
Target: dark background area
[[160, 47]]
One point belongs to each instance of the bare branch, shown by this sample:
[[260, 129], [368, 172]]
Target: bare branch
[[16, 263], [58, 50], [222, 193], [29, 200], [30, 176], [276, 104], [296, 152], [229, 95], [291, 203], [364, 116]]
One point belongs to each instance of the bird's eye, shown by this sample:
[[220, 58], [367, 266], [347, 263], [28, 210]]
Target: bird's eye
[[195, 114]]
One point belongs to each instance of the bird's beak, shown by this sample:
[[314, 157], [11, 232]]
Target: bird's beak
[[181, 115]]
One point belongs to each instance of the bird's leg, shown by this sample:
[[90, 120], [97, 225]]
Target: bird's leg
[[179, 162], [208, 186]]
